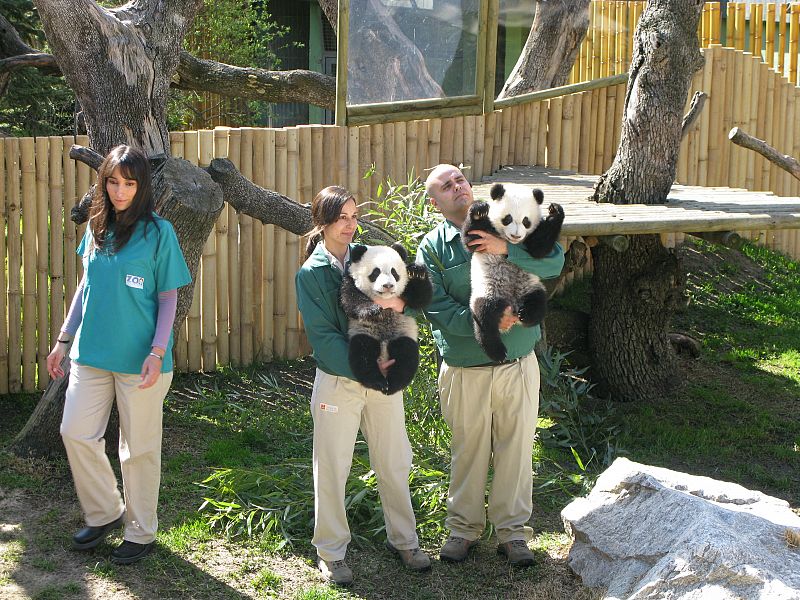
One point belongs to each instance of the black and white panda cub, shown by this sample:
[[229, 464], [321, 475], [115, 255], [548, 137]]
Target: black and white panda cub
[[515, 215], [381, 272]]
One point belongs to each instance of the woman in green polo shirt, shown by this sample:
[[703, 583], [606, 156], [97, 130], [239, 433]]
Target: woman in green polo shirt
[[120, 325], [340, 405]]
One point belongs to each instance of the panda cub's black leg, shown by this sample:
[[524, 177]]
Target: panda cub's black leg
[[363, 358], [487, 313], [405, 352], [419, 290], [540, 243], [533, 307]]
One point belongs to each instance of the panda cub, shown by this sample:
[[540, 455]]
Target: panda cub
[[515, 215], [381, 272]]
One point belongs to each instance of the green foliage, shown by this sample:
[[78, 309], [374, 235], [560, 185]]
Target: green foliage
[[34, 103]]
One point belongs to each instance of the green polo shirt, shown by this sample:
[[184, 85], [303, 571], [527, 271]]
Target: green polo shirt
[[449, 262], [317, 283], [120, 297]]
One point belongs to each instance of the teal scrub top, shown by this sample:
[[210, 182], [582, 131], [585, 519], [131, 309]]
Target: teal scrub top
[[120, 297]]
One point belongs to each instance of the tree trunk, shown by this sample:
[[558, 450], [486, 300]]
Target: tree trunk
[[635, 296], [552, 46]]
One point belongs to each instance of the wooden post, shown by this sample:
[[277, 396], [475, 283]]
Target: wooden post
[[770, 52], [266, 283], [764, 75], [13, 210], [191, 152], [554, 133], [434, 142], [781, 42], [259, 176], [208, 292], [740, 26], [28, 170], [794, 36], [469, 147], [567, 122], [488, 142], [770, 106], [70, 238], [727, 116], [505, 135], [247, 291], [716, 109], [56, 240], [3, 276], [293, 241], [233, 271], [600, 123], [388, 151], [42, 238], [376, 150], [756, 28], [480, 140], [705, 118], [400, 171], [364, 164], [281, 259], [221, 234]]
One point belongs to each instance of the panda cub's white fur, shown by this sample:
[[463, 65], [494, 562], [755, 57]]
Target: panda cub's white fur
[[380, 272], [514, 214]]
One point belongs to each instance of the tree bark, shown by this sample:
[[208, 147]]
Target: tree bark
[[635, 297], [552, 46], [784, 161]]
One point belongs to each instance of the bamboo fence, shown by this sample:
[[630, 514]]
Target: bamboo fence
[[244, 307]]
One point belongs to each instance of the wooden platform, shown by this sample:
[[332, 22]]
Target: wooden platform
[[688, 208]]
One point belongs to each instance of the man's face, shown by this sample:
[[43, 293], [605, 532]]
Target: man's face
[[450, 192]]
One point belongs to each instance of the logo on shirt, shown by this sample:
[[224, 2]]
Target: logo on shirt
[[134, 281], [328, 408]]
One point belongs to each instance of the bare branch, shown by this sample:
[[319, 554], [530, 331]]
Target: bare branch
[[39, 60], [256, 84], [10, 42], [784, 161], [695, 108], [86, 155]]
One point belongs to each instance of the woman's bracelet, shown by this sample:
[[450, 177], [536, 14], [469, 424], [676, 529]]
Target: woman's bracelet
[[157, 356], [63, 341]]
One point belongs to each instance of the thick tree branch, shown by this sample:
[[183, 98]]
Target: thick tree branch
[[39, 60], [784, 161], [255, 84], [695, 108], [86, 155], [271, 208], [11, 43]]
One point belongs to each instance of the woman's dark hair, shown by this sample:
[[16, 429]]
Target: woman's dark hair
[[133, 164], [325, 209]]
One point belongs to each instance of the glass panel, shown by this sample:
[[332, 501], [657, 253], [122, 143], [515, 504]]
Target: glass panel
[[513, 26], [411, 50]]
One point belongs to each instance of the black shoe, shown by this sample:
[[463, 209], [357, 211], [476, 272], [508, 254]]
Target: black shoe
[[89, 537], [129, 552]]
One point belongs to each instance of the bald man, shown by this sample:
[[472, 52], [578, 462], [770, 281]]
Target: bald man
[[491, 408]]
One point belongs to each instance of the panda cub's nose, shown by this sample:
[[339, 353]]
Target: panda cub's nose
[[388, 286]]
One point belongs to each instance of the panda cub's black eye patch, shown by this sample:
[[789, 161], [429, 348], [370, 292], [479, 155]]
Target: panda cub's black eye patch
[[526, 222], [507, 220], [374, 275], [395, 275]]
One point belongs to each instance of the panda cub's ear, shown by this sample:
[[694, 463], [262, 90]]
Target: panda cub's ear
[[356, 252], [497, 191], [398, 247], [538, 195]]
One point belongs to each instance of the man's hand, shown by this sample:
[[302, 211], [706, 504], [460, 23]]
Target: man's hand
[[508, 320], [486, 242], [396, 303]]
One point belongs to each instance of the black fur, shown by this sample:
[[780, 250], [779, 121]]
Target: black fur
[[387, 325]]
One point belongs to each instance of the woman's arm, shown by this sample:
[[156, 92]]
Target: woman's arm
[[151, 368], [67, 332]]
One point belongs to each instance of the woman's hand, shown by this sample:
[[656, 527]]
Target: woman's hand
[[151, 369], [384, 365], [54, 359], [396, 303]]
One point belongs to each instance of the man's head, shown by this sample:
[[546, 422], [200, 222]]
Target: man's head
[[450, 192]]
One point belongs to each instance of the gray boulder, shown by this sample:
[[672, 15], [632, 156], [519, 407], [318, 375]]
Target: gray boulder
[[648, 532]]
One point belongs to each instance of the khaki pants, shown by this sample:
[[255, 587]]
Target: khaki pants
[[340, 406], [90, 395], [491, 412]]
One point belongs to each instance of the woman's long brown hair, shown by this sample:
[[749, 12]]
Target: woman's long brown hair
[[325, 209], [133, 164]]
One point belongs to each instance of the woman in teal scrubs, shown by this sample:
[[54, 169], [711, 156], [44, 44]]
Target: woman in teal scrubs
[[120, 327]]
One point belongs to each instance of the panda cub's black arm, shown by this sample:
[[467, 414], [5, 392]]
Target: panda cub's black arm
[[355, 303], [540, 243], [477, 220], [419, 289]]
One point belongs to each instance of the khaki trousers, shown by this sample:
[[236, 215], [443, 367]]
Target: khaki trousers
[[491, 412], [340, 406], [90, 395]]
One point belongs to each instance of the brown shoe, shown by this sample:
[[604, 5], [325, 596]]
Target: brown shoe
[[335, 571], [414, 558], [517, 552], [456, 548]]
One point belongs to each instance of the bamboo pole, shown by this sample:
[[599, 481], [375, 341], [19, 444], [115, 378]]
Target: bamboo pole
[[505, 135], [716, 108], [56, 211], [716, 22], [730, 36], [247, 289], [180, 346], [42, 239], [693, 139], [591, 149], [29, 257], [234, 272], [364, 164], [13, 210], [794, 36], [388, 151], [3, 276], [757, 28], [705, 26], [795, 137], [770, 106], [741, 102], [567, 135], [781, 42], [376, 149], [577, 116], [533, 149], [281, 275], [783, 127], [221, 283], [497, 142], [458, 142], [423, 128], [761, 121], [705, 118], [727, 116], [469, 147], [342, 172], [259, 249], [446, 155], [70, 240], [208, 281], [518, 132], [265, 285], [319, 158], [612, 121], [191, 152], [770, 36], [292, 241], [597, 45], [739, 38], [600, 140], [554, 133], [488, 142], [584, 144], [480, 140], [400, 170], [434, 142], [412, 147]]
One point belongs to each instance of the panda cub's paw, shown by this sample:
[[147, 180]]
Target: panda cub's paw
[[478, 211], [417, 272], [556, 211]]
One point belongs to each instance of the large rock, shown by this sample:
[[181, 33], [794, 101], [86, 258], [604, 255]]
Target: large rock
[[648, 532]]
